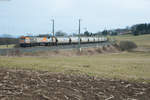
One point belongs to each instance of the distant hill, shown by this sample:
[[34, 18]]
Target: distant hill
[[8, 39], [5, 41], [7, 36]]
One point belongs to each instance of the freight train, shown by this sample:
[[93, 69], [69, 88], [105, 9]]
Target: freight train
[[29, 41]]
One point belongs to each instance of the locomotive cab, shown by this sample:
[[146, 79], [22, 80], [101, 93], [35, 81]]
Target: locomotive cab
[[24, 41]]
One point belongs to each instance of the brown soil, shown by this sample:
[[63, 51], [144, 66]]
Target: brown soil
[[34, 85]]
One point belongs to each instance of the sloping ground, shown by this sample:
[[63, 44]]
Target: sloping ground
[[74, 52], [141, 40], [33, 85]]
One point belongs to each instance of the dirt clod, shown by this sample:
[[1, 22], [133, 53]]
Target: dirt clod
[[36, 85]]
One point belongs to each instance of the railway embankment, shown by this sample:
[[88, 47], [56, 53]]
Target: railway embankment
[[93, 47]]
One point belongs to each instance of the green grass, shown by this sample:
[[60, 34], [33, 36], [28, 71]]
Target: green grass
[[5, 46], [141, 40], [123, 66]]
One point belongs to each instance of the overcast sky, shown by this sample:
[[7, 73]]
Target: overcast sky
[[24, 16]]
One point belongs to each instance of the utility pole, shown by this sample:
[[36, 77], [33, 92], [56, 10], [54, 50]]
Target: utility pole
[[79, 33], [53, 21]]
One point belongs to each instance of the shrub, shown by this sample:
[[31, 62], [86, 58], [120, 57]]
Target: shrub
[[99, 50], [127, 45], [104, 48]]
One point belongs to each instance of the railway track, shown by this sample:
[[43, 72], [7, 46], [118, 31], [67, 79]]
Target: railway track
[[51, 48]]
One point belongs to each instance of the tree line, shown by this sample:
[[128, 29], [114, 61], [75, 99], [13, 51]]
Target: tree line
[[140, 29], [137, 29], [7, 41]]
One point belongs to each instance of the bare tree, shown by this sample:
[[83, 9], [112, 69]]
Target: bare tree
[[60, 33]]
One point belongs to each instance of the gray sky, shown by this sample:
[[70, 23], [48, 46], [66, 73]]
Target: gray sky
[[24, 16]]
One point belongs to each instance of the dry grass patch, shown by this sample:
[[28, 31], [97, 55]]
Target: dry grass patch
[[5, 46], [118, 65]]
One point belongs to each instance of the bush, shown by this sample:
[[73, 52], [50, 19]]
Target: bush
[[127, 45]]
